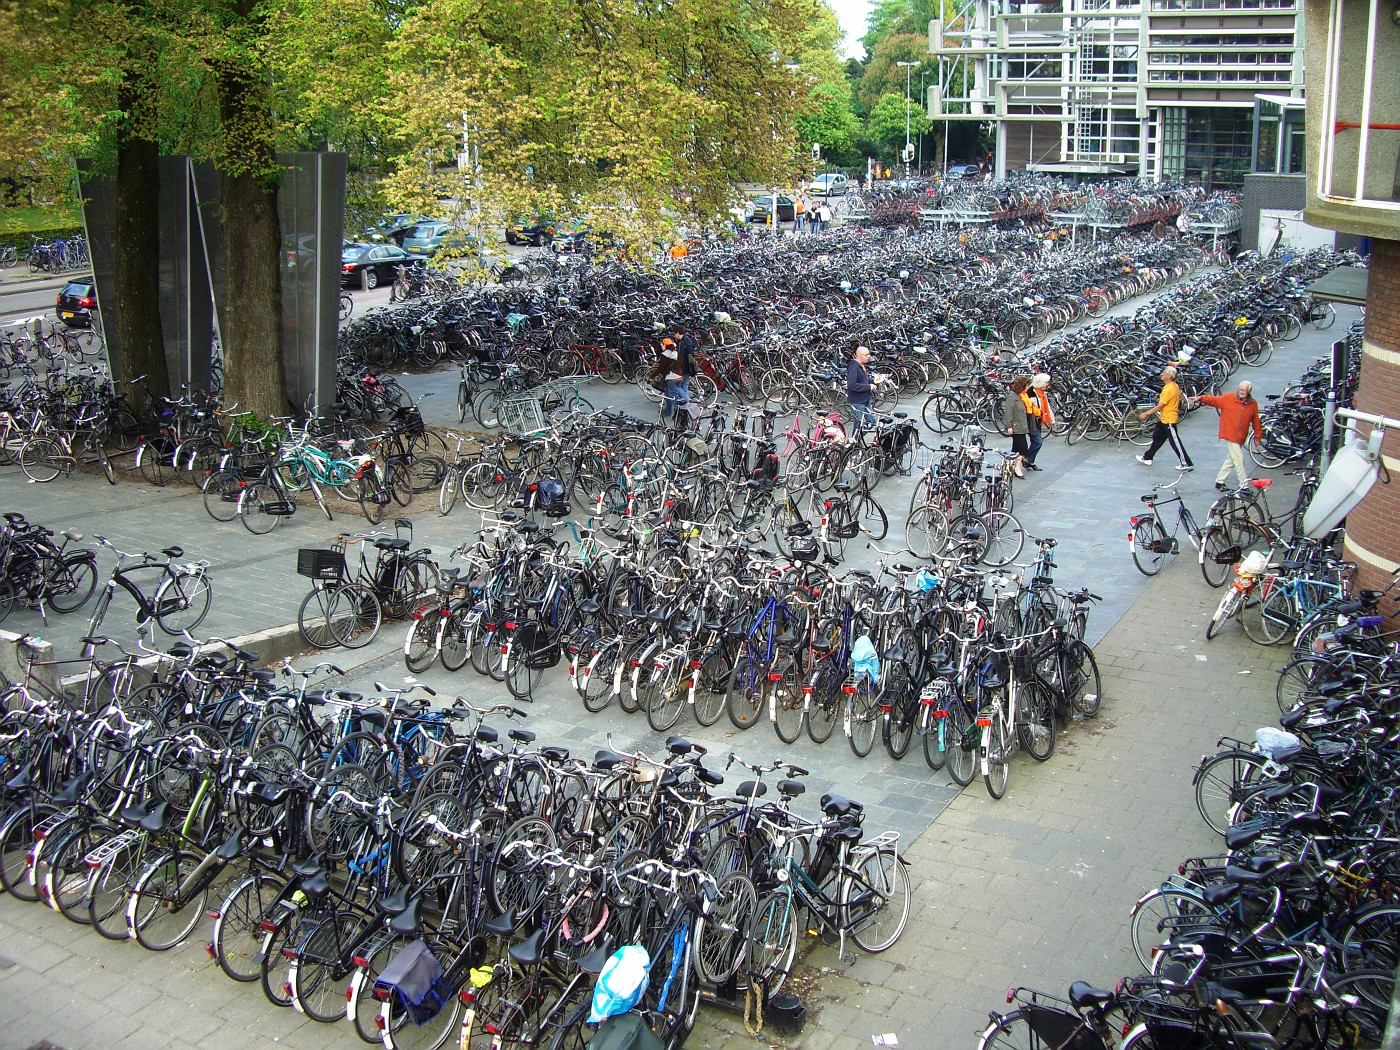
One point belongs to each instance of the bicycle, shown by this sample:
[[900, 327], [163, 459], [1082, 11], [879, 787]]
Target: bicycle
[[180, 602], [1148, 539], [45, 456]]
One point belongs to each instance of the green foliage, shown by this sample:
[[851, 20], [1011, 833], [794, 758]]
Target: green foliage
[[887, 121], [38, 220]]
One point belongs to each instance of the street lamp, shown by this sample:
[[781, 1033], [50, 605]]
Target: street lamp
[[908, 68], [923, 106]]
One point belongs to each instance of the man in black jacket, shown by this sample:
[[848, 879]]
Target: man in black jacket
[[860, 386]]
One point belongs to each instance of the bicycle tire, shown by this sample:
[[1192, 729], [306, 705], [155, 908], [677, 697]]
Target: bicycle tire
[[1148, 534], [68, 877], [1080, 679], [1036, 728], [665, 699], [42, 459], [772, 940], [354, 616], [862, 711], [871, 517], [712, 688], [1221, 782], [251, 508], [883, 875], [158, 917], [1004, 538], [1215, 542], [932, 726], [420, 649], [996, 743], [373, 498], [237, 937], [69, 589], [827, 701], [599, 678], [721, 944], [182, 601], [1160, 912], [1228, 608], [964, 738], [320, 958], [745, 696]]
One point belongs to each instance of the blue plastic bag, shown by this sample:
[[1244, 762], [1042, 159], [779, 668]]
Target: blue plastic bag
[[864, 658]]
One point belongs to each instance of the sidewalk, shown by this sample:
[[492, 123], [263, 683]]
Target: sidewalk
[[1034, 889]]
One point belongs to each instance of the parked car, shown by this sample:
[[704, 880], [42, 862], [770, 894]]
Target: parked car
[[964, 171], [378, 263], [427, 238], [76, 303], [830, 184], [537, 229], [392, 227], [570, 236], [759, 208]]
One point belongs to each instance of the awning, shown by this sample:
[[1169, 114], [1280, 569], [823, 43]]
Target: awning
[[1345, 284], [1067, 168], [1286, 101]]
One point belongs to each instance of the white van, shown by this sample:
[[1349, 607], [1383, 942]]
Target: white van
[[831, 184]]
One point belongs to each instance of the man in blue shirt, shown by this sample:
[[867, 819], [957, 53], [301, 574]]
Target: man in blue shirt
[[860, 385]]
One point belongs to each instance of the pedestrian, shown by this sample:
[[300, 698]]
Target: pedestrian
[[1039, 385], [1239, 414], [799, 213], [860, 387], [670, 368], [1168, 413], [1016, 421]]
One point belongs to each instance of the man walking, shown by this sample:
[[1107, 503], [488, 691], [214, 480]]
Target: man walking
[[1168, 413], [1239, 414]]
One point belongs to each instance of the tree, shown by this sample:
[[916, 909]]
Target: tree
[[883, 75], [887, 121]]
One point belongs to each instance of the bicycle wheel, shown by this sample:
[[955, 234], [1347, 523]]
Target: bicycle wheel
[[252, 508], [933, 721], [182, 601], [1036, 726], [1228, 608], [964, 737], [1278, 617], [318, 979], [827, 702], [159, 914], [110, 890], [1004, 539], [373, 498], [42, 459], [1158, 915], [420, 650], [1221, 782], [453, 640], [862, 712], [154, 463], [221, 492], [926, 531], [665, 697], [875, 900], [486, 407], [870, 517], [722, 941], [996, 754], [710, 691], [1219, 552], [449, 490], [237, 936], [772, 939], [786, 703], [313, 618], [68, 877], [1299, 680], [354, 615], [599, 678], [1149, 545], [1080, 678], [71, 583], [746, 693]]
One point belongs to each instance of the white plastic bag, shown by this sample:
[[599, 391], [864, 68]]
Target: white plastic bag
[[1271, 741], [621, 984]]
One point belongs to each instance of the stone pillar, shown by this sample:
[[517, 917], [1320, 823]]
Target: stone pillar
[[1373, 528]]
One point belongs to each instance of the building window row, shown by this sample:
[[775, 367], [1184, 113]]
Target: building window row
[[1232, 40], [1221, 58], [1219, 76], [1223, 5]]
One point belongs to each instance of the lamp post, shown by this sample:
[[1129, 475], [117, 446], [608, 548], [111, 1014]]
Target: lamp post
[[908, 68], [923, 106]]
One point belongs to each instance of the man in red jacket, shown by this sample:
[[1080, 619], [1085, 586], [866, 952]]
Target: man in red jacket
[[1239, 414]]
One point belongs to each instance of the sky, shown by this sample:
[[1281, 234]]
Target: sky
[[852, 15]]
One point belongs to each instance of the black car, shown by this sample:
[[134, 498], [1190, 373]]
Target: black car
[[393, 227], [537, 229], [370, 265], [76, 303]]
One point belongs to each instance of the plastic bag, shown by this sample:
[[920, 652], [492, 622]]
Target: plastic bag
[[1271, 740], [621, 984], [864, 658]]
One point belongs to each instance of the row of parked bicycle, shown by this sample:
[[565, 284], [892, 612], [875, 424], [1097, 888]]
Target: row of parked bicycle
[[1289, 938], [59, 255], [419, 872]]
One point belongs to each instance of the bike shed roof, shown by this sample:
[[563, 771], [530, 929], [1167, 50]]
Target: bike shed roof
[[1345, 284]]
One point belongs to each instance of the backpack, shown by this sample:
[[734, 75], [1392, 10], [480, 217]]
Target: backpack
[[766, 468], [627, 1031]]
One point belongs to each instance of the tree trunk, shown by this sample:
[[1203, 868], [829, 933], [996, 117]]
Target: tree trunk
[[139, 344], [254, 375]]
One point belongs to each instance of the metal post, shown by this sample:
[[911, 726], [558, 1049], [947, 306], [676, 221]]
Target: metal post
[[908, 105], [774, 216], [1336, 376]]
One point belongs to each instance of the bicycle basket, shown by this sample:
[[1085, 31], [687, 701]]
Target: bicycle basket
[[415, 976], [320, 564]]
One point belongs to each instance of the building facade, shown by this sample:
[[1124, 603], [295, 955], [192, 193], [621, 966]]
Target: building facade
[[1158, 88]]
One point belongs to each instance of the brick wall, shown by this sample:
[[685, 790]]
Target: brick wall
[[1374, 526]]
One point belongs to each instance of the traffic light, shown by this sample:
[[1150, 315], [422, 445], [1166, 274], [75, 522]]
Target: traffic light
[[907, 154], [816, 151]]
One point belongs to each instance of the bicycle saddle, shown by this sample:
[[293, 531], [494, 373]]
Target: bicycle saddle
[[791, 788], [1262, 483], [1082, 994], [487, 735], [154, 821], [263, 675], [522, 736], [73, 534], [20, 782], [316, 884], [679, 745], [391, 545], [555, 754], [231, 846], [527, 952], [595, 960], [181, 650], [68, 794], [842, 486], [834, 805], [309, 867], [1219, 893], [407, 920], [709, 776], [606, 760], [502, 925], [396, 902], [270, 794], [174, 552]]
